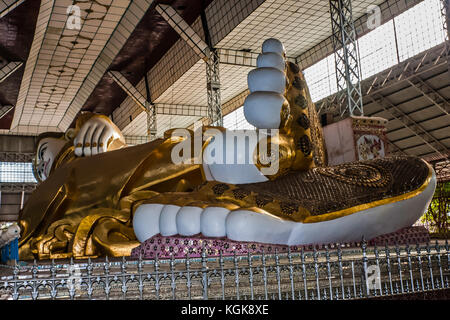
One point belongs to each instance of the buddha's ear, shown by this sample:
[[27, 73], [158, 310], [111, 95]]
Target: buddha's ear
[[70, 134]]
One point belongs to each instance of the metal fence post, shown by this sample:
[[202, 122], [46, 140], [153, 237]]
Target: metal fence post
[[327, 255], [419, 260], [291, 273], [140, 280], [250, 274], [172, 276], [305, 286], [430, 266], [316, 272], [222, 274], [188, 275], [438, 251], [408, 252], [377, 260], [35, 292], [341, 271], [204, 273], [277, 270], [264, 275], [364, 262], [106, 266], [399, 264], [157, 285]]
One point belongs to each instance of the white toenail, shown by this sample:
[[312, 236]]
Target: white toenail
[[188, 220], [167, 220], [270, 59], [146, 221], [266, 79], [212, 222]]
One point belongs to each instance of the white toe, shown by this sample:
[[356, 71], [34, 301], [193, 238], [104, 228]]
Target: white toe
[[146, 221], [212, 222], [263, 109], [273, 45], [168, 220], [87, 151], [266, 79], [188, 220], [78, 152], [271, 60], [244, 225]]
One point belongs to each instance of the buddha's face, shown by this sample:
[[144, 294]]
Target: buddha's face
[[47, 150]]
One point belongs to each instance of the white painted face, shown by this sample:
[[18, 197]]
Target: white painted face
[[47, 151]]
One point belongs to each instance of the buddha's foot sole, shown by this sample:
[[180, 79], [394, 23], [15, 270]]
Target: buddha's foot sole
[[368, 221]]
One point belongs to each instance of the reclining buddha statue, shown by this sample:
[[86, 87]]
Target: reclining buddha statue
[[97, 196]]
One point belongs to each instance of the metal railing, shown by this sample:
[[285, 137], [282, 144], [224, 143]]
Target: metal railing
[[333, 272]]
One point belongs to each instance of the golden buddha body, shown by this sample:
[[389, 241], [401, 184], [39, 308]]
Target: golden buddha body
[[100, 197]]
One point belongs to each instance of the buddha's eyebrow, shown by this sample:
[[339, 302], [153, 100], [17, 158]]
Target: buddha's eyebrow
[[42, 145]]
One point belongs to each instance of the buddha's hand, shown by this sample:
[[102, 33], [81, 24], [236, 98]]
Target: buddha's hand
[[94, 136]]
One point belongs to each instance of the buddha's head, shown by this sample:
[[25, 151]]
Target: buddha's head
[[49, 145]]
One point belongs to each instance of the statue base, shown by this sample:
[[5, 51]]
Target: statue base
[[180, 246]]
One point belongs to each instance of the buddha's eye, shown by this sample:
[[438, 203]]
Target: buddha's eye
[[42, 150], [41, 153]]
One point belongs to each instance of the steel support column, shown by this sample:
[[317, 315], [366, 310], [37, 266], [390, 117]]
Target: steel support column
[[134, 94], [204, 50], [151, 120], [150, 109], [212, 77], [213, 89], [346, 56]]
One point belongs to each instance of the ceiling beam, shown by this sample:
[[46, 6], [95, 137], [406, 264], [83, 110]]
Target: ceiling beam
[[181, 110], [130, 90], [409, 123], [396, 148], [161, 108], [406, 70], [437, 99], [4, 110], [6, 6], [9, 69], [237, 57], [184, 30]]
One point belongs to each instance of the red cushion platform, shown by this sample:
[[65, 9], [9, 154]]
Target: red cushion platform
[[180, 246]]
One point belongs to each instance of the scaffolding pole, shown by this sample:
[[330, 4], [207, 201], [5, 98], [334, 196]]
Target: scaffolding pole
[[346, 56], [212, 77]]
